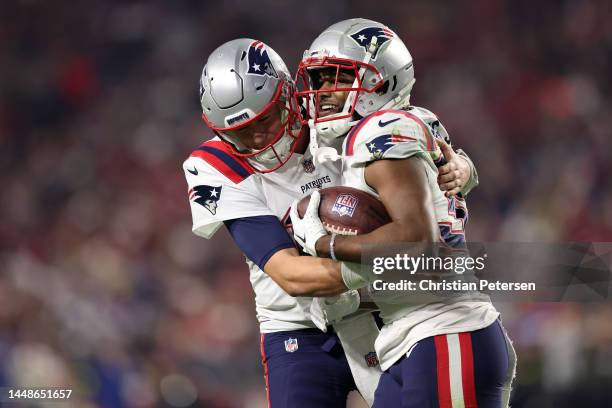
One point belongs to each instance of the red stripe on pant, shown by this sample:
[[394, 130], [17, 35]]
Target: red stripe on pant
[[264, 361], [443, 372], [467, 370]]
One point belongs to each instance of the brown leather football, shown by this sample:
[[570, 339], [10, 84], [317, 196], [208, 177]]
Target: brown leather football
[[348, 211]]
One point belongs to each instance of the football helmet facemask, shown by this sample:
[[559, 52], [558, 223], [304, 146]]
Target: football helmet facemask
[[365, 50]]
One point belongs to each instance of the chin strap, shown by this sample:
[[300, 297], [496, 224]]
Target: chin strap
[[320, 154]]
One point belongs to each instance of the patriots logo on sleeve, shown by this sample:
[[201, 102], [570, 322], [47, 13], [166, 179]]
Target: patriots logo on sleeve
[[379, 145], [259, 61], [364, 36], [206, 196]]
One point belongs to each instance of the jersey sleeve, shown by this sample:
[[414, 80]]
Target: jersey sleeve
[[391, 134], [216, 195], [259, 237]]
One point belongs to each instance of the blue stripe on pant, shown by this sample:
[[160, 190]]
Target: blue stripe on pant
[[472, 369], [315, 375]]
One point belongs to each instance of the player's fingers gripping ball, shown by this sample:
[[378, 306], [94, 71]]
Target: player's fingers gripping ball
[[296, 224], [307, 227]]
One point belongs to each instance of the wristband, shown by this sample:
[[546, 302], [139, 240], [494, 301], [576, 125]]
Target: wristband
[[332, 245]]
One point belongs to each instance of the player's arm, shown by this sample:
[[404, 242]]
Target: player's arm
[[305, 275], [265, 242], [217, 200], [403, 189]]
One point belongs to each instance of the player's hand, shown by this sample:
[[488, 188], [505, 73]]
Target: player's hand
[[308, 230], [455, 173], [333, 309]]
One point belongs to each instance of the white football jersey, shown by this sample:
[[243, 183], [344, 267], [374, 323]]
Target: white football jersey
[[398, 134], [222, 187]]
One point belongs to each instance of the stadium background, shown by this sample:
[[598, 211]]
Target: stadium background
[[103, 287]]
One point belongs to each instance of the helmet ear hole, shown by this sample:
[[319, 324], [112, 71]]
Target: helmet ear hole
[[383, 89]]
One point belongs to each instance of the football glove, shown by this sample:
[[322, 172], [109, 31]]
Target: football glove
[[308, 230], [333, 309]]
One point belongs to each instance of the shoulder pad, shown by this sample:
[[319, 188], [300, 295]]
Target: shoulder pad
[[377, 122], [425, 114]]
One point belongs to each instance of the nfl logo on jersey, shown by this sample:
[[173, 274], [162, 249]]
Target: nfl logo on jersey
[[291, 345], [371, 359], [345, 205], [308, 166]]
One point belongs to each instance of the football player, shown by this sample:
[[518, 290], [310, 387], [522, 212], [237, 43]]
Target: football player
[[450, 351], [246, 178]]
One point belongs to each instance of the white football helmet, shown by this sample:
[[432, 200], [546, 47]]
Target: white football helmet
[[372, 53], [242, 81]]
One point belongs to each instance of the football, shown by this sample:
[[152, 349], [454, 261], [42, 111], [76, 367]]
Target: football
[[348, 211]]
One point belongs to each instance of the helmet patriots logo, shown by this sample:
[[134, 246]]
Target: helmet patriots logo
[[259, 61], [378, 146], [206, 196], [364, 37]]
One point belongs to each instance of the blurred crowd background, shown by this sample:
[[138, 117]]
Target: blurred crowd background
[[105, 290]]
